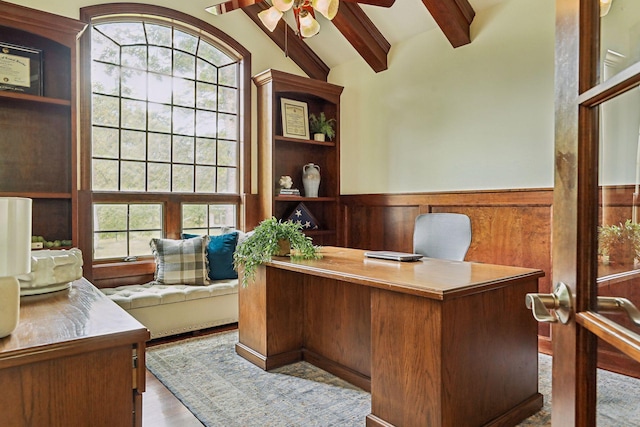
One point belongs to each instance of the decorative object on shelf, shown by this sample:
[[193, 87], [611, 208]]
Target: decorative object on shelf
[[20, 69], [272, 237], [311, 179], [620, 244], [51, 271], [295, 118], [285, 182], [322, 127], [39, 242], [303, 217], [303, 13], [289, 192], [15, 257]]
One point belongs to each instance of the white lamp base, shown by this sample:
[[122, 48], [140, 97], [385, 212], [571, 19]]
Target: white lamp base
[[9, 305]]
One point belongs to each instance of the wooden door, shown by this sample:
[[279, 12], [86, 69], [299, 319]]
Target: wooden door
[[595, 174]]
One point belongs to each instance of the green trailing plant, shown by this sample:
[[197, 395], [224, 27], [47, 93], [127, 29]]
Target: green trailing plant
[[612, 238], [320, 124], [266, 241]]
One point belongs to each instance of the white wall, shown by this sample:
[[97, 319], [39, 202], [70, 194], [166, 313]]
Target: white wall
[[476, 117], [440, 119]]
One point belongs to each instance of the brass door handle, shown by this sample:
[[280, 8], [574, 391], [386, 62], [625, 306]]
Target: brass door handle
[[614, 304], [559, 302]]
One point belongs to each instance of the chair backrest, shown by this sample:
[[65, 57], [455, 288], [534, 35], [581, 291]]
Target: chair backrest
[[442, 235]]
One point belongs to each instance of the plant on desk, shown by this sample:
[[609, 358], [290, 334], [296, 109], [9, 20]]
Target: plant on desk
[[272, 237]]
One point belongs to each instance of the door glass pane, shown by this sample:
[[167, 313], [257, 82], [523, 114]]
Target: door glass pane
[[620, 35], [619, 214]]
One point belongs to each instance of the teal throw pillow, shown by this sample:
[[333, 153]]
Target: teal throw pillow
[[220, 255]]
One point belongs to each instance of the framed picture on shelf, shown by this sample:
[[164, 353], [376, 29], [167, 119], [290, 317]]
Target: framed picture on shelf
[[295, 118], [20, 69]]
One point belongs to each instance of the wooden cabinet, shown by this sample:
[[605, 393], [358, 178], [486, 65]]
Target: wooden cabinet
[[76, 358], [279, 155], [38, 132]]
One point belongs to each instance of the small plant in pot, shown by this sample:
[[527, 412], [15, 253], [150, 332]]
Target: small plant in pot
[[272, 237], [620, 244], [320, 126]]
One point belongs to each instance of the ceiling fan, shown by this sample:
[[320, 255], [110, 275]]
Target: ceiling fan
[[303, 11]]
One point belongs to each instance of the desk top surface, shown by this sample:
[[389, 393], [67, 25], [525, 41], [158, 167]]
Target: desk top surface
[[429, 277], [71, 321]]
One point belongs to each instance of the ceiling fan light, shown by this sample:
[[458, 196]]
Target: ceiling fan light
[[309, 27], [270, 17], [605, 5], [329, 8], [283, 5]]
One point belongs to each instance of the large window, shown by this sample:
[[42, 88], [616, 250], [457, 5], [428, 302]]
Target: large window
[[165, 146]]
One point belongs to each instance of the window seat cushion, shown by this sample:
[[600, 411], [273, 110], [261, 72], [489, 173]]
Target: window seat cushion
[[174, 309]]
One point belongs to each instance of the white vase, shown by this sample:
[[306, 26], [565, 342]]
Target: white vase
[[311, 179], [319, 137]]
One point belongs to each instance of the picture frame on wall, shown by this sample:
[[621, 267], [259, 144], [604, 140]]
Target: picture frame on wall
[[20, 69], [295, 118]]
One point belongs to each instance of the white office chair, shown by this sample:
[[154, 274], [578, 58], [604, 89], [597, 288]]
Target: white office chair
[[442, 235]]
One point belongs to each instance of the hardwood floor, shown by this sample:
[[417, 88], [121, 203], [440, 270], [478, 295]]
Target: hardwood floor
[[160, 408]]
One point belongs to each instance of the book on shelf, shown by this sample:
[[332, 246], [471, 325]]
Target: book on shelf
[[289, 192]]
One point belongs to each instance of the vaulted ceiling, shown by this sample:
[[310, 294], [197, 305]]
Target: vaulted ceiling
[[353, 21]]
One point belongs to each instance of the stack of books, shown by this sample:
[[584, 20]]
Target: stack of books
[[289, 192]]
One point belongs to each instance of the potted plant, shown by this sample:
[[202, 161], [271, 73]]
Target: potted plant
[[620, 243], [272, 237], [320, 126]]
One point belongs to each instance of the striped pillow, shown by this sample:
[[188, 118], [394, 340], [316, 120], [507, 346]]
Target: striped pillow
[[181, 262]]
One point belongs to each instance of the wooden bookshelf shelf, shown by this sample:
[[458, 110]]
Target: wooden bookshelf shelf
[[17, 96]]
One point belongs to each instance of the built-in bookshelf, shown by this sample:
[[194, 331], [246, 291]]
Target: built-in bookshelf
[[279, 155], [38, 142]]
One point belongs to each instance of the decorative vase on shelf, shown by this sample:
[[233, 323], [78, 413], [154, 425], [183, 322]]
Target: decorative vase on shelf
[[319, 137], [311, 179]]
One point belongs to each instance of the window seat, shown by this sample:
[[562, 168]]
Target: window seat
[[174, 309]]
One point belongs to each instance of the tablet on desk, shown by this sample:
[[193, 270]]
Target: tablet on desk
[[393, 256]]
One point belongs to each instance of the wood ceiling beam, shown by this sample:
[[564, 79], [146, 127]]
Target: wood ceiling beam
[[454, 18], [380, 3], [363, 35], [228, 6], [290, 44]]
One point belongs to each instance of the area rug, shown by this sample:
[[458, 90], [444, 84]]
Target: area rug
[[222, 389]]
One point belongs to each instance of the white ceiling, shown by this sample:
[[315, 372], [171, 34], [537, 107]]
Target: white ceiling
[[403, 20]]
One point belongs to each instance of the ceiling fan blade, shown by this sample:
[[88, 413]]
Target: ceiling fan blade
[[381, 3], [228, 6]]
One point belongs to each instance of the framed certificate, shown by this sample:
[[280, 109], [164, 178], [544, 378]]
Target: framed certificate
[[20, 69], [295, 118]]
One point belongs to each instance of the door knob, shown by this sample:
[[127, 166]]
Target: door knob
[[559, 302], [614, 304]]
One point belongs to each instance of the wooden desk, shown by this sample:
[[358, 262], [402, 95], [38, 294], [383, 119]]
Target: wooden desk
[[76, 358], [438, 343]]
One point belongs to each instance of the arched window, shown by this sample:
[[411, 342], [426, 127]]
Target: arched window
[[164, 134]]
